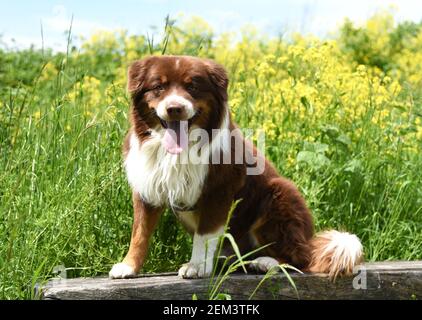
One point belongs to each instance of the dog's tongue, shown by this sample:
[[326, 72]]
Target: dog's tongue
[[175, 138]]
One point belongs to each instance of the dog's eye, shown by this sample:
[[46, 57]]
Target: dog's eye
[[191, 87], [158, 88]]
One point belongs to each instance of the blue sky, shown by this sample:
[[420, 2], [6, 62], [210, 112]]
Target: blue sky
[[21, 19]]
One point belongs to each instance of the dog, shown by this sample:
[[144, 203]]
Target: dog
[[171, 97]]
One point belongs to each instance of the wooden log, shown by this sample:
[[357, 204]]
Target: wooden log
[[380, 280]]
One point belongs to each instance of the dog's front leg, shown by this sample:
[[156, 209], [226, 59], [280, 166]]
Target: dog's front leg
[[203, 252], [144, 222], [212, 218]]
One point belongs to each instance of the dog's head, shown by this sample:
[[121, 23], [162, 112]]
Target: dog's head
[[177, 93]]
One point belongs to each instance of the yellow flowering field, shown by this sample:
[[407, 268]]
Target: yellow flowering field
[[342, 118]]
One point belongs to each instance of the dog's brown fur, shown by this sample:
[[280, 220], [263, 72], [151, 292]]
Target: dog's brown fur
[[272, 209]]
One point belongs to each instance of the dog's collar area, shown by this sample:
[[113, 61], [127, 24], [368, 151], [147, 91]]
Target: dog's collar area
[[176, 208]]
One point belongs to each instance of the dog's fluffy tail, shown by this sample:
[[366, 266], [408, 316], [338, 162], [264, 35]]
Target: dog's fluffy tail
[[335, 253]]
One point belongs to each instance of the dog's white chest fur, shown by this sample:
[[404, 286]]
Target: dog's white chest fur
[[159, 178]]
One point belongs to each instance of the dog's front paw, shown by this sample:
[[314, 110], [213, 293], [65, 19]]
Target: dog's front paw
[[264, 264], [194, 271], [121, 271]]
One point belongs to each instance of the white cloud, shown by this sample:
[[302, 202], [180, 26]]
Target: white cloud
[[61, 21], [325, 16], [269, 16], [55, 26], [20, 41]]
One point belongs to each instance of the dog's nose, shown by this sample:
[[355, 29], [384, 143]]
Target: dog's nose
[[175, 110]]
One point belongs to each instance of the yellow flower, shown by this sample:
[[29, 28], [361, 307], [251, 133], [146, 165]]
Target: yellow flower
[[49, 72], [110, 113], [291, 160], [89, 91], [37, 115], [361, 69], [291, 89]]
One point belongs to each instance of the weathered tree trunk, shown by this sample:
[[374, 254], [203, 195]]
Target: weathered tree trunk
[[381, 280]]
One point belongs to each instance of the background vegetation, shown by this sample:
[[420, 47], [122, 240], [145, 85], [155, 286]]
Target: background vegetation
[[343, 119]]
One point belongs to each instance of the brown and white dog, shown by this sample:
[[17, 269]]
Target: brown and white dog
[[172, 96]]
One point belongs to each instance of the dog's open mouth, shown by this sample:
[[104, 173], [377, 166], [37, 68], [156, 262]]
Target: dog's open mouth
[[176, 134], [175, 138]]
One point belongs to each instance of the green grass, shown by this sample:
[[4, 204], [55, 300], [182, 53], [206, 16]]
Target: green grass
[[64, 199]]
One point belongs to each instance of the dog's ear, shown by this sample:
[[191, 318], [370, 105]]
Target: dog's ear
[[219, 78], [136, 74]]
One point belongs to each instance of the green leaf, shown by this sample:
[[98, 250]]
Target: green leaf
[[306, 156], [344, 139], [305, 102], [353, 166], [223, 296], [235, 248], [331, 130], [316, 147], [313, 159]]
